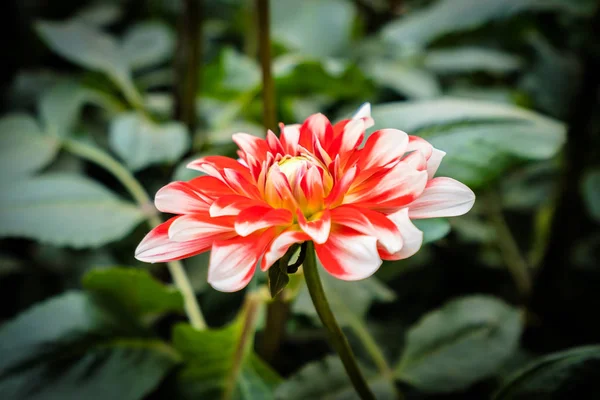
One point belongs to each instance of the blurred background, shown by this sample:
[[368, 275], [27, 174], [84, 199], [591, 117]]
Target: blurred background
[[92, 91]]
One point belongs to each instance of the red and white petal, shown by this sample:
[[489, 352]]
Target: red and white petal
[[312, 187], [157, 247], [278, 191], [349, 255], [416, 143], [289, 137], [382, 148], [318, 227], [180, 198], [370, 223], [416, 160], [341, 187], [316, 128], [199, 226], [233, 262], [232, 205], [210, 187], [443, 197], [434, 162], [348, 140], [364, 111], [280, 245], [411, 236], [240, 184], [254, 147], [260, 217], [274, 144], [213, 165]]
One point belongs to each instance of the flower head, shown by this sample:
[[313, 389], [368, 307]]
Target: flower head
[[315, 182]]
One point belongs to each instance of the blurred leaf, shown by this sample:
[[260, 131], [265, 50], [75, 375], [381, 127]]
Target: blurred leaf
[[65, 210], [147, 44], [530, 187], [413, 82], [140, 142], [446, 16], [346, 308], [591, 193], [28, 85], [59, 108], [23, 147], [453, 347], [313, 27], [36, 332], [278, 279], [481, 138], [125, 370], [471, 228], [221, 360], [327, 379], [99, 14], [502, 95], [433, 229], [232, 73], [134, 290], [569, 374], [84, 45], [460, 60]]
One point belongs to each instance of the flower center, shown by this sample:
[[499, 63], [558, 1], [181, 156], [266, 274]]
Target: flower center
[[293, 167]]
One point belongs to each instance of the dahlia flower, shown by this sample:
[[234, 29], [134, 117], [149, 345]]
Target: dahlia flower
[[316, 182]]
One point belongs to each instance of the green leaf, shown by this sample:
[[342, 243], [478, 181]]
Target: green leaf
[[59, 108], [125, 370], [460, 60], [444, 16], [433, 229], [455, 346], [327, 379], [481, 139], [84, 45], [147, 44], [233, 73], [141, 143], [591, 193], [222, 360], [65, 210], [346, 308], [568, 374], [99, 14], [278, 279], [413, 82], [330, 25], [133, 290], [70, 317], [23, 147]]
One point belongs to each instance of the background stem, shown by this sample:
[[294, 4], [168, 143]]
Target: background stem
[[136, 190], [335, 334], [264, 50], [188, 65]]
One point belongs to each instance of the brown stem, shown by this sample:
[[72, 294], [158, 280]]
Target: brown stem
[[264, 50], [188, 65]]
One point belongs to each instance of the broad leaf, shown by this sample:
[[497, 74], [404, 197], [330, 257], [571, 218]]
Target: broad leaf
[[99, 14], [59, 108], [134, 291], [470, 59], [481, 139], [147, 44], [474, 335], [23, 147], [221, 361], [569, 374], [65, 210], [233, 73], [125, 370], [445, 16], [327, 379], [413, 82], [347, 309], [591, 193], [141, 143], [330, 25]]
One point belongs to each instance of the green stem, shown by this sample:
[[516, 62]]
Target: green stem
[[336, 336], [515, 262], [264, 49], [99, 157], [371, 346]]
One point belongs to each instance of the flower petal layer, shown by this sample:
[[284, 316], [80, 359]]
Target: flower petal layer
[[443, 197], [412, 237], [280, 246], [260, 217]]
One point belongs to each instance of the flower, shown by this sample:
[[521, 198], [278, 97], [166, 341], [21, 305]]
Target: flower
[[315, 183]]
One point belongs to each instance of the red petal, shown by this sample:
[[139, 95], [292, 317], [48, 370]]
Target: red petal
[[200, 226], [349, 255], [382, 148], [214, 165], [318, 228], [259, 217], [180, 198], [412, 237], [252, 146], [316, 128], [232, 205], [290, 135], [280, 246]]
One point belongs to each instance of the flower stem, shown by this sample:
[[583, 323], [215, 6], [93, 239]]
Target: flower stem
[[264, 49], [99, 157], [336, 336]]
